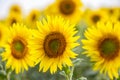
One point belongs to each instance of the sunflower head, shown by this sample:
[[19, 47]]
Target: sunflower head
[[53, 43], [32, 18], [15, 9], [17, 55], [113, 11], [67, 9], [103, 47], [13, 18], [92, 17]]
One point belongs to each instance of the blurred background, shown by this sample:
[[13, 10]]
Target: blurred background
[[27, 5], [43, 7]]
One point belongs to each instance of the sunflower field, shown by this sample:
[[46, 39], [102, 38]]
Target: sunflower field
[[63, 41]]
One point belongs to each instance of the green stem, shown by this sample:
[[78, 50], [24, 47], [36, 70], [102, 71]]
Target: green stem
[[67, 77], [8, 75], [69, 73]]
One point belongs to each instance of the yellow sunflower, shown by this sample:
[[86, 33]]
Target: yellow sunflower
[[115, 18], [93, 16], [15, 9], [102, 45], [3, 30], [52, 43], [13, 18], [69, 9], [31, 19], [111, 11], [17, 54]]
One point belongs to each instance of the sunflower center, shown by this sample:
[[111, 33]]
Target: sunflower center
[[67, 7], [18, 48], [96, 18], [33, 17], [15, 9], [54, 44], [111, 11], [109, 47], [13, 21]]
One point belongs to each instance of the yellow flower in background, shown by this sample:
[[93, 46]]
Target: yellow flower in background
[[93, 16], [102, 45], [31, 19], [13, 18], [115, 18], [15, 9], [17, 54], [69, 9], [112, 11], [3, 30], [52, 43]]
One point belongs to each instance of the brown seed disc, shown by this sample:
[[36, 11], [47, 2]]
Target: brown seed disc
[[19, 48], [54, 44], [95, 18], [67, 7], [109, 47]]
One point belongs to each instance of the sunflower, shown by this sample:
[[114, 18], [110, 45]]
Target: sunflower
[[17, 54], [69, 9], [115, 18], [102, 45], [13, 18], [52, 43], [93, 16], [31, 19], [15, 9], [111, 11], [3, 30]]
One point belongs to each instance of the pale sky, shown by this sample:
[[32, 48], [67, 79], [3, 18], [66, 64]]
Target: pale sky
[[27, 5]]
